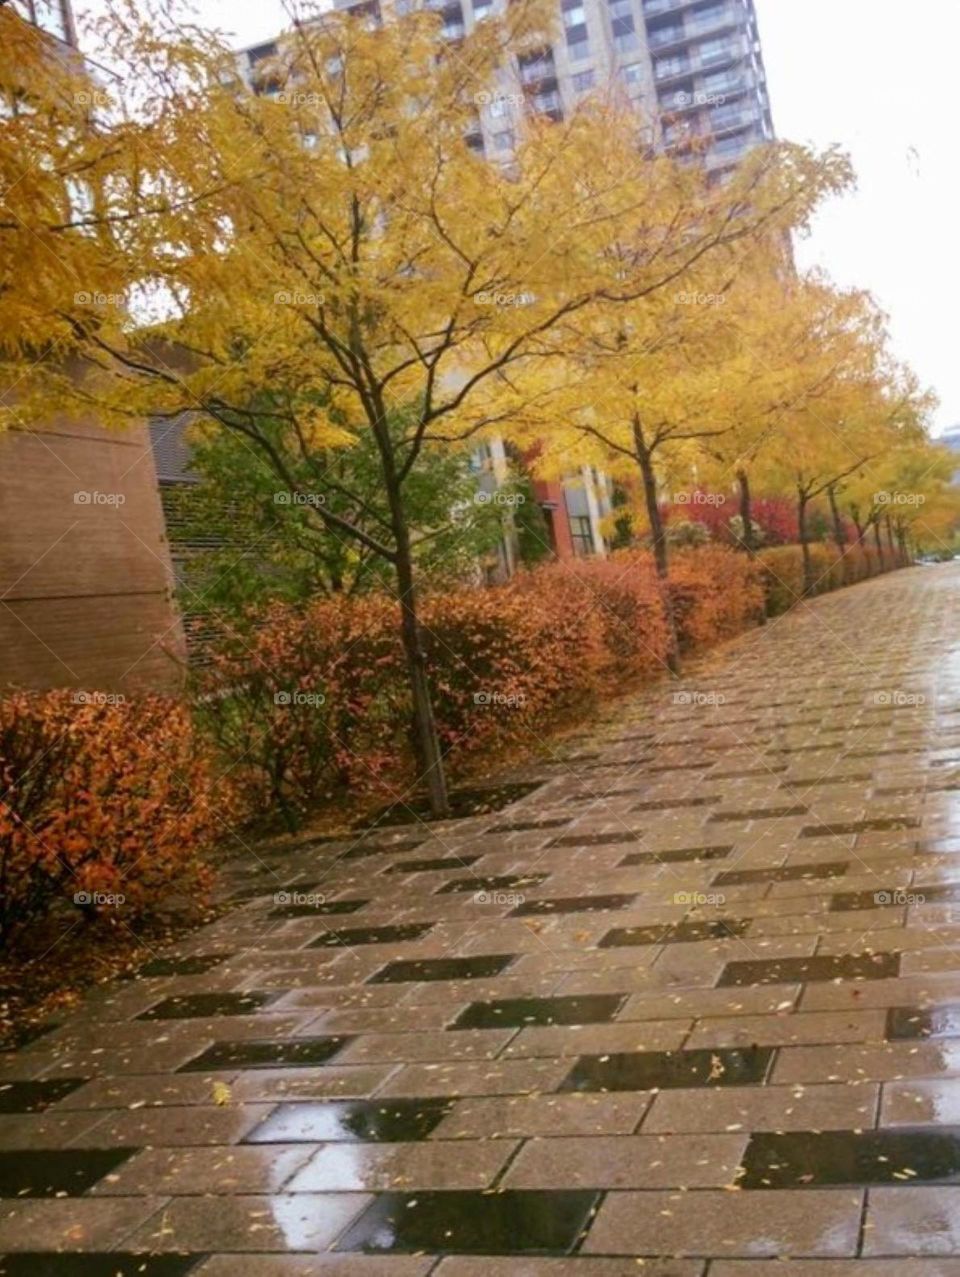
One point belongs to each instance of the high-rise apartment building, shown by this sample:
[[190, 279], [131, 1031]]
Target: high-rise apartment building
[[693, 69], [52, 16]]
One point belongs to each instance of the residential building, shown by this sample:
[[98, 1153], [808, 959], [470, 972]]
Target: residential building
[[85, 575]]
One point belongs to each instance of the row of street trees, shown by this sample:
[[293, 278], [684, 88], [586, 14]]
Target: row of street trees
[[328, 276]]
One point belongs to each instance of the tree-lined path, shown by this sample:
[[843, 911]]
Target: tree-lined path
[[692, 1000]]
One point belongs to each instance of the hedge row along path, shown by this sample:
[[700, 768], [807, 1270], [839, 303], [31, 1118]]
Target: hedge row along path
[[700, 1010]]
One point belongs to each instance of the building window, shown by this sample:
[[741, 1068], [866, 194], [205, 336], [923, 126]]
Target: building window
[[581, 534], [504, 140], [626, 42], [632, 73], [620, 9], [578, 52], [574, 17], [583, 81], [481, 9], [50, 15]]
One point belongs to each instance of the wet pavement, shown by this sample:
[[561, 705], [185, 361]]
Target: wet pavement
[[690, 1005]]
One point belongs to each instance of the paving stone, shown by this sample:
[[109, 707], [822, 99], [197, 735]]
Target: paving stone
[[389, 1121], [767, 1108], [805, 1223], [283, 1222], [628, 1161], [433, 1164], [500, 1117], [472, 1223]]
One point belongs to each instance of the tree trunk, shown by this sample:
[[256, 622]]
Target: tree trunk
[[890, 544], [747, 538], [802, 500], [429, 756], [879, 544], [902, 543], [659, 537], [839, 532]]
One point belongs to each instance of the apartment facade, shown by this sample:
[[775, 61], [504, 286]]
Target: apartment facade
[[85, 573]]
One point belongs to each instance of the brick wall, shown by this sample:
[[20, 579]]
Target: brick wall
[[84, 566]]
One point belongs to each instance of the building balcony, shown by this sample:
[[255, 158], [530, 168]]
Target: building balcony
[[538, 74], [678, 34], [723, 122], [657, 8]]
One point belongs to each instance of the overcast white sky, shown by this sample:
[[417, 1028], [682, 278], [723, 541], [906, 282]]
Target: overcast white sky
[[878, 77]]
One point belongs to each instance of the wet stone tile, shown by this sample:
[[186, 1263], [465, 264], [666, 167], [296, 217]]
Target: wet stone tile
[[97, 1264], [432, 866], [884, 823], [288, 1053], [759, 813], [853, 901], [57, 1173], [501, 882], [912, 1022], [677, 856], [371, 935], [480, 967], [676, 933], [325, 909], [649, 1070], [596, 840], [192, 964], [356, 1121], [669, 804], [194, 1006], [471, 1223], [573, 904], [793, 1159], [850, 966], [518, 1012], [785, 873], [528, 826], [34, 1097]]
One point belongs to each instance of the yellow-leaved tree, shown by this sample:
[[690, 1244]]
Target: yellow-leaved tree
[[336, 264]]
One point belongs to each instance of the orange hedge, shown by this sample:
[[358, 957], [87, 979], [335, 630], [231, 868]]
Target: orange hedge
[[101, 799], [715, 593], [782, 567]]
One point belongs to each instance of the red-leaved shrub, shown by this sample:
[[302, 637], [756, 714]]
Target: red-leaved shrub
[[715, 592], [101, 798]]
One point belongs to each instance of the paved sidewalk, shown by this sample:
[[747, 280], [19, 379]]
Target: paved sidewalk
[[691, 1006]]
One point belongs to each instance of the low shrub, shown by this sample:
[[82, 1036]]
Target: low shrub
[[715, 593], [783, 570], [101, 799], [307, 701], [625, 594]]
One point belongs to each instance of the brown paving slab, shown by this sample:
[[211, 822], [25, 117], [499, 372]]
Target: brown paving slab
[[920, 1103], [315, 1266], [163, 1172], [78, 1223], [796, 1027], [706, 1222], [572, 1113], [628, 1161], [432, 1164], [684, 1003], [922, 1220], [408, 1048], [305, 1221], [868, 1062], [918, 991], [476, 1077], [144, 1091], [836, 1268], [522, 1266], [565, 1040], [348, 1082], [45, 1130], [843, 1106], [173, 1127]]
